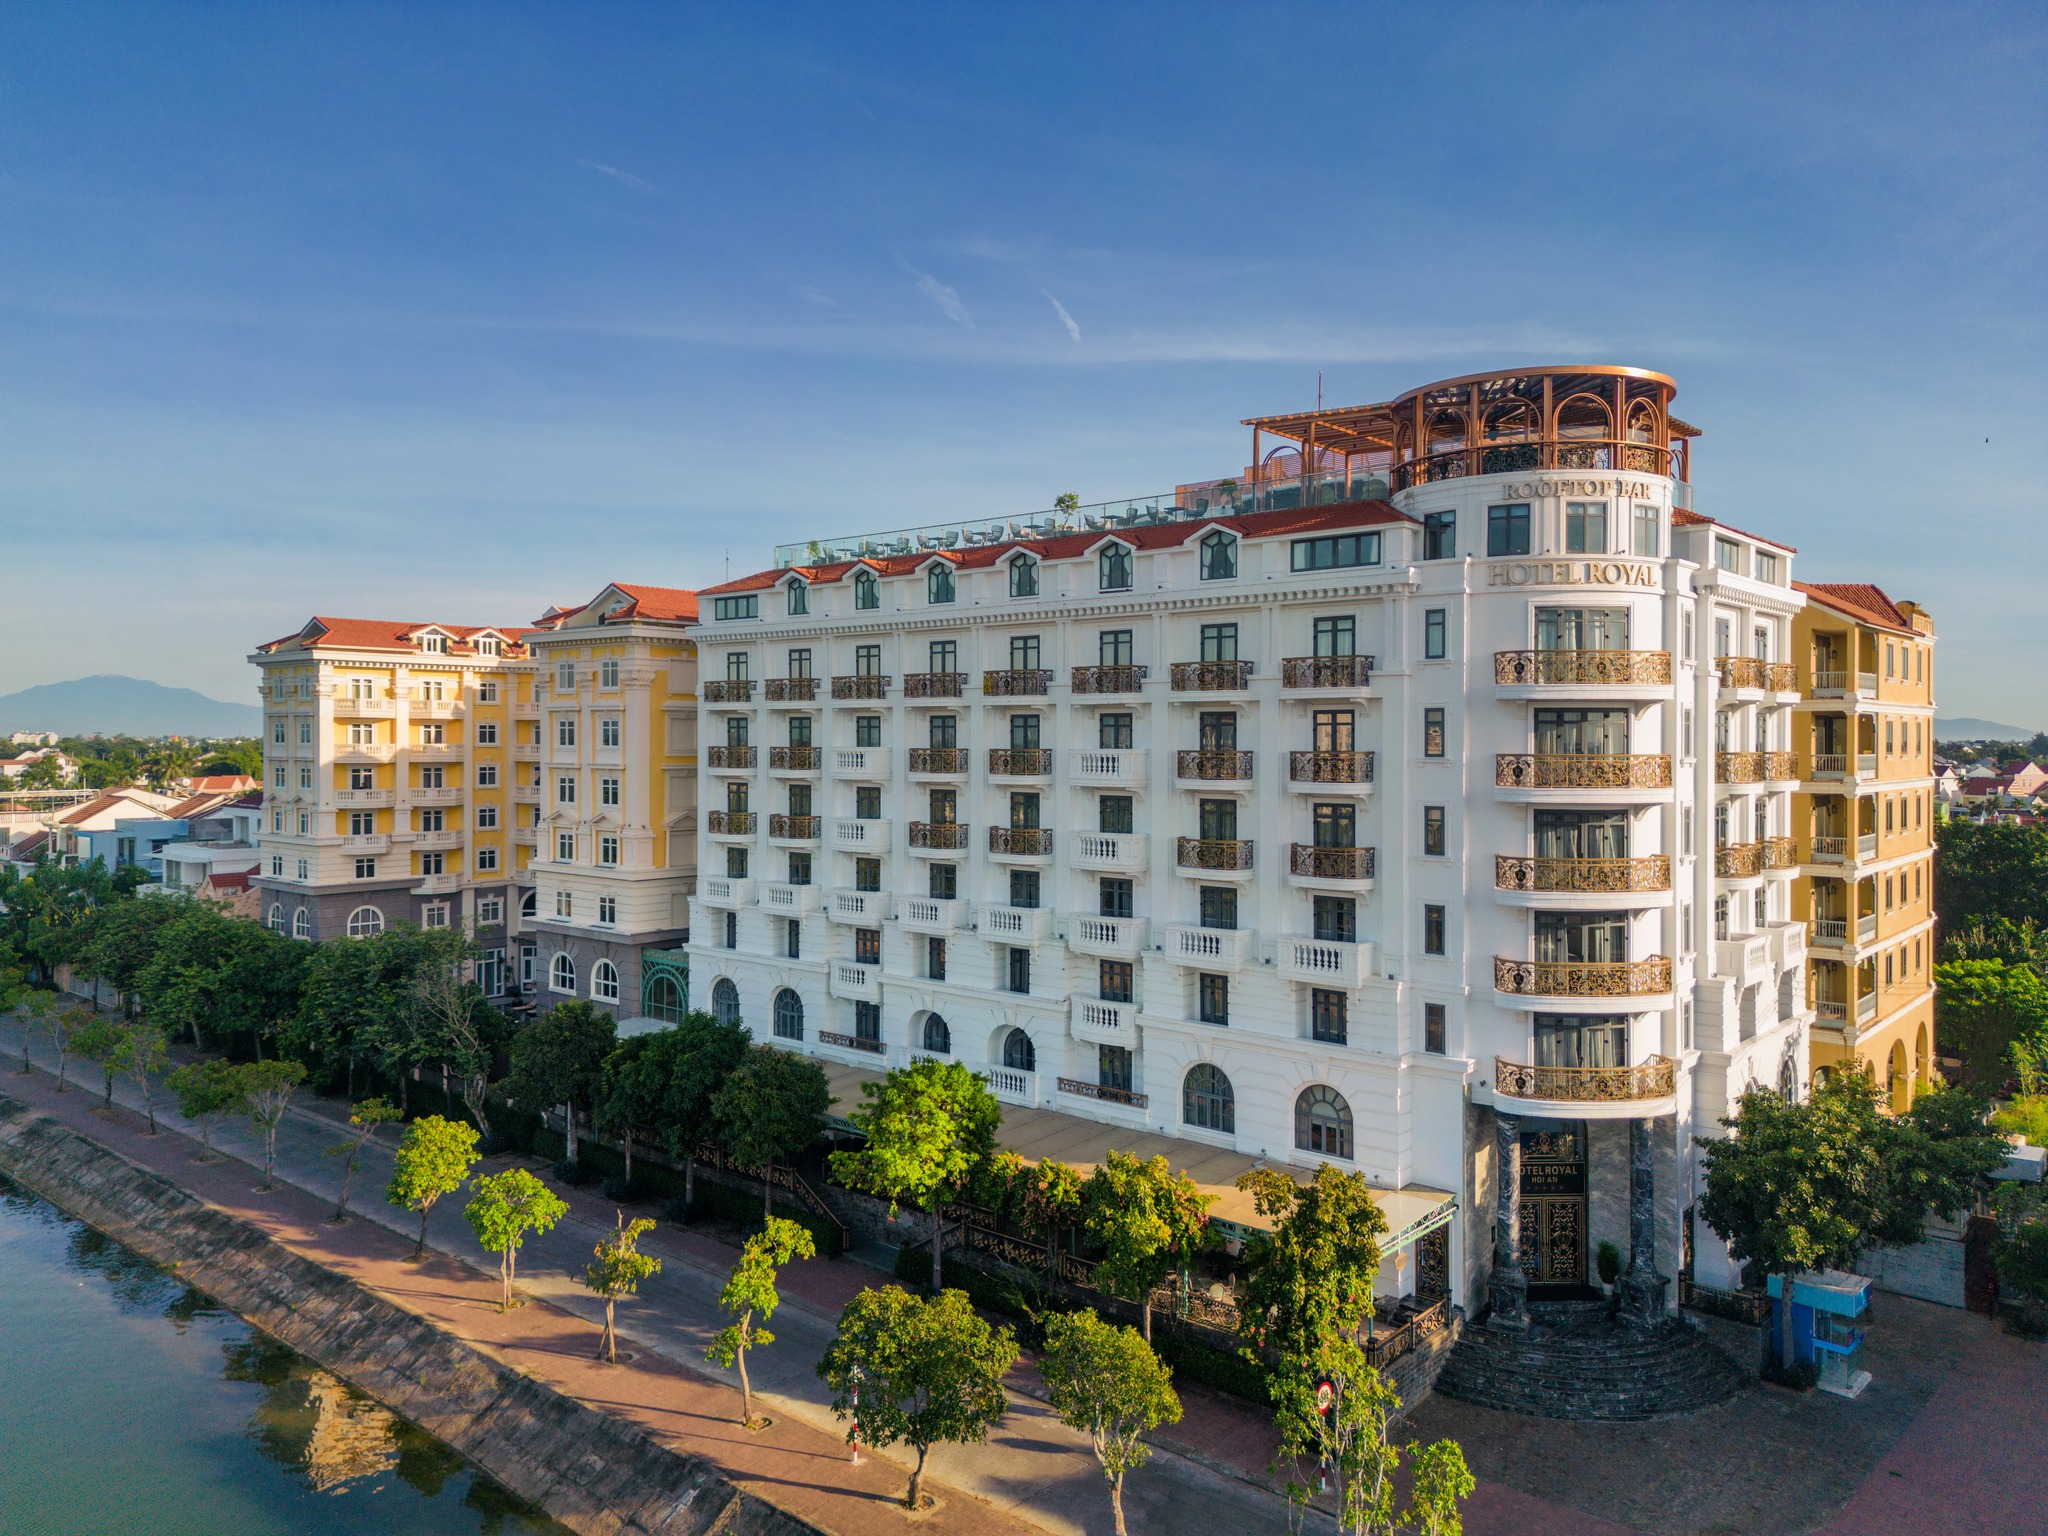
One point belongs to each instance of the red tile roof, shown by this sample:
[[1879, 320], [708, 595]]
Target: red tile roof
[[1292, 521], [661, 603], [322, 632], [1680, 518], [238, 881], [219, 783], [1859, 600]]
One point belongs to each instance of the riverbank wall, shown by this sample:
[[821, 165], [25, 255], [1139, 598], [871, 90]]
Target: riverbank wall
[[592, 1472]]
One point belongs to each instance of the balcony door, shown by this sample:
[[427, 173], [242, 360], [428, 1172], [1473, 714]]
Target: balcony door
[[1581, 834], [1581, 732], [1581, 937], [1553, 1246], [1581, 629]]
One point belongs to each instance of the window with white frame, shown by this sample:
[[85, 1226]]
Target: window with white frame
[[608, 790], [608, 673], [604, 982], [277, 731], [608, 731], [867, 591], [562, 974], [490, 909], [565, 904], [608, 910], [565, 789], [565, 847], [486, 817], [486, 858], [305, 733], [277, 917], [486, 733], [277, 864], [486, 775], [565, 731], [366, 869], [565, 677], [434, 915], [360, 734], [608, 849], [302, 924], [1113, 569], [938, 583], [433, 734]]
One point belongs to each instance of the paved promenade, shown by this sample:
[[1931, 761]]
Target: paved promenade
[[1952, 1437]]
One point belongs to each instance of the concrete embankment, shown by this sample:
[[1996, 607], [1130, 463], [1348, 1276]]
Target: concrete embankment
[[591, 1471]]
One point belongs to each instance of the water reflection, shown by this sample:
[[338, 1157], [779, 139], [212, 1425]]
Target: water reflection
[[347, 1456]]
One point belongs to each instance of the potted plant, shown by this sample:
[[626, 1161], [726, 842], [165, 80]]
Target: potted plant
[[1607, 1262]]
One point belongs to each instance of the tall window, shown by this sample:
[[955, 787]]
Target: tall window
[[789, 1014], [1115, 899], [1114, 813], [1213, 998], [938, 1036], [1024, 888], [1585, 528], [1328, 1016], [867, 730], [1018, 970], [1113, 569], [1647, 540], [604, 982], [1336, 825], [1024, 653], [1019, 1054], [1207, 1101], [800, 662], [1115, 981], [1433, 1028], [608, 674], [1113, 731], [867, 661], [1334, 730], [938, 585], [1219, 556], [799, 598], [1218, 730], [1435, 628], [1219, 907], [565, 676], [1322, 1122], [737, 667], [943, 731], [562, 974], [1507, 530], [1439, 535], [867, 592], [1219, 642], [1219, 821], [1023, 576], [945, 656], [1432, 733], [1113, 648], [608, 731], [1433, 839], [1336, 636], [1432, 929]]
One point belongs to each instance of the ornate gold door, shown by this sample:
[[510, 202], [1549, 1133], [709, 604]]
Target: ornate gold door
[[1553, 1244]]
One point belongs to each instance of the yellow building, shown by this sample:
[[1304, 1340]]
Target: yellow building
[[612, 786], [1866, 808], [389, 754]]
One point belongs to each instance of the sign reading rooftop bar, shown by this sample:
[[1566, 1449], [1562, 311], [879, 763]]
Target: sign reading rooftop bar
[[1627, 490], [1571, 573]]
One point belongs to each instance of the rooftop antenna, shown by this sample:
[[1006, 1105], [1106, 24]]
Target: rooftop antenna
[[728, 565]]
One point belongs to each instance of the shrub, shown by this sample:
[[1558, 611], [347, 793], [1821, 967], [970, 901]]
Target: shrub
[[1607, 1259]]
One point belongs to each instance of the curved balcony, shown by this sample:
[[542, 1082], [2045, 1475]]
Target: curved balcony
[[1210, 676], [1634, 1089], [1020, 762], [934, 685], [1213, 765], [1651, 872], [1514, 458], [729, 690], [1738, 861], [730, 823], [790, 690], [1337, 866], [1582, 978], [938, 760], [1780, 853], [1581, 669], [1757, 675], [795, 829], [1225, 854], [1327, 672], [1739, 767], [939, 836], [731, 757], [1582, 770], [794, 759], [1016, 682], [1320, 770], [1781, 767], [1108, 679], [1020, 842], [861, 685]]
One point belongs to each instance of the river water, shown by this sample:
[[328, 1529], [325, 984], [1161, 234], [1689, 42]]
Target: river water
[[130, 1405]]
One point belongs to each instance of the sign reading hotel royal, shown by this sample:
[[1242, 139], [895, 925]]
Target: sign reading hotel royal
[[1572, 573]]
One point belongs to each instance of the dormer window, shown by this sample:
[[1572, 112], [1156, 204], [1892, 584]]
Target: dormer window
[[867, 592], [434, 645], [489, 645], [938, 583], [799, 599], [1113, 569], [1219, 556], [1023, 576]]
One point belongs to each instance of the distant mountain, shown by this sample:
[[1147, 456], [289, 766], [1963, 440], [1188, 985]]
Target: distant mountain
[[1965, 728], [118, 706]]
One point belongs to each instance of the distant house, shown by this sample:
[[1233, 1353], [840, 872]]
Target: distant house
[[219, 845], [78, 833], [1948, 784], [219, 784], [33, 739], [14, 767]]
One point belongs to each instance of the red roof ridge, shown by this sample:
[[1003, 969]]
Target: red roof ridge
[[1859, 599]]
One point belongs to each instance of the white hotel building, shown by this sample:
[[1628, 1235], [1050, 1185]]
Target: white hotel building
[[1363, 809]]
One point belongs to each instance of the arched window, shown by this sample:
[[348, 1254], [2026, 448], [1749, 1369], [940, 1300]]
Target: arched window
[[1322, 1122], [1023, 576], [1113, 569], [938, 583], [1788, 1082], [725, 1001], [529, 903], [799, 598], [1920, 1062], [604, 982], [1584, 417], [1446, 432], [562, 974], [1019, 1054], [1219, 556], [1642, 422], [867, 592], [662, 999], [1900, 1084], [938, 1038], [302, 924], [277, 916], [365, 921], [1206, 1100], [789, 1015]]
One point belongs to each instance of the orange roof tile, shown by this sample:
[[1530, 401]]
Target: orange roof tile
[[1291, 521], [1859, 600], [1680, 518], [675, 604], [322, 631]]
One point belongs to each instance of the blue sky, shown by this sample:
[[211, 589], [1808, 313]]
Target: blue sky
[[452, 312]]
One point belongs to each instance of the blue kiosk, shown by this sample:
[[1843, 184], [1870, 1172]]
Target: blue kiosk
[[1825, 1305]]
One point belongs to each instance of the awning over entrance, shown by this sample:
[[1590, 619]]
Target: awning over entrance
[[1038, 1134]]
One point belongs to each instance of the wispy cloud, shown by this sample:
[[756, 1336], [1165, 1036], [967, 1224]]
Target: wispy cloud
[[944, 295], [1066, 319], [626, 177], [817, 296]]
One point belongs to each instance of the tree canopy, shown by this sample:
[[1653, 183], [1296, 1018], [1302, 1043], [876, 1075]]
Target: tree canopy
[[1311, 1277], [1105, 1381]]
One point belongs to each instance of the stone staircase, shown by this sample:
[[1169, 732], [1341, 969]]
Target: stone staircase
[[1576, 1362]]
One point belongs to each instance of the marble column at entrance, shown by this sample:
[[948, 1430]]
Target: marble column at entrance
[[1641, 1288], [1510, 1287]]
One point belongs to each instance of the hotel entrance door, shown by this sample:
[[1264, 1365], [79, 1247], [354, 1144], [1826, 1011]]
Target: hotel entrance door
[[1554, 1207]]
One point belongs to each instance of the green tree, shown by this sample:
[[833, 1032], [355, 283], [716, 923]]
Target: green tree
[[1937, 1158], [64, 1025], [45, 772], [458, 1025], [1149, 1220], [363, 1120], [1105, 1381], [929, 1128], [433, 1160], [144, 1053], [1052, 1195], [267, 1089], [100, 1040], [770, 1109], [751, 1289], [121, 941], [206, 1091], [917, 1371], [559, 1059], [633, 1091], [1310, 1278], [38, 1011], [1997, 938], [702, 1054], [502, 1209], [1982, 1007], [615, 1270], [1991, 870], [2021, 1254]]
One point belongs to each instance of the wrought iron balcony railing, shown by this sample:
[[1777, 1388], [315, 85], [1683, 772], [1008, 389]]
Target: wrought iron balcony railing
[[1016, 682], [1656, 1078], [1330, 767], [938, 759], [1020, 762], [790, 690], [1332, 863], [732, 823], [729, 690], [1780, 853], [732, 757], [794, 759], [796, 829], [1739, 767], [1326, 672], [1210, 676], [1582, 978], [1020, 842], [1738, 861], [1754, 672], [1593, 668], [1114, 679], [1582, 770], [934, 685], [938, 834], [1652, 872], [862, 685], [1087, 1090], [1214, 764], [1213, 853]]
